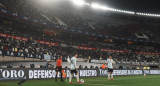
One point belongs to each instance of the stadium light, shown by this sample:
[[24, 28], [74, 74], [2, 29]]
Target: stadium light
[[148, 14], [80, 2], [100, 7], [45, 1], [97, 6]]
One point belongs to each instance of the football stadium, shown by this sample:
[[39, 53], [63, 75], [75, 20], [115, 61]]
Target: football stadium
[[79, 43]]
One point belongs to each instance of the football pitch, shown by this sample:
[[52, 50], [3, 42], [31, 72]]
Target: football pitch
[[149, 80]]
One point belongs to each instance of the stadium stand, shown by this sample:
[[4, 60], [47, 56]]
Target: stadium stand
[[125, 41]]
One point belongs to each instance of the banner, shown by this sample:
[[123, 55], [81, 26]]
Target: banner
[[32, 55], [148, 53], [26, 39], [14, 37], [47, 57], [86, 48], [98, 61], [119, 51], [48, 73], [103, 50]]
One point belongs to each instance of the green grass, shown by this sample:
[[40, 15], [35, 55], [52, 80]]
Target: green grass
[[149, 80]]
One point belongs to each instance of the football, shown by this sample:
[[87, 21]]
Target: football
[[144, 75], [82, 80]]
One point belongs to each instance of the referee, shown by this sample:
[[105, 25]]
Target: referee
[[59, 68]]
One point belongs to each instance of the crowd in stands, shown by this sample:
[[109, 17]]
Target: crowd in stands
[[32, 47]]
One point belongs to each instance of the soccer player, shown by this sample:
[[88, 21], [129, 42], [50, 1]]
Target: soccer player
[[110, 68], [74, 69], [59, 68]]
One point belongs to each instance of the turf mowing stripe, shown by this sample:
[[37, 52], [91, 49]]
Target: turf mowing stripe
[[95, 84], [100, 84], [87, 84], [131, 78]]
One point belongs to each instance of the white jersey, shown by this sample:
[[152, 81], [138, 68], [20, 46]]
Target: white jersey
[[73, 63], [110, 63]]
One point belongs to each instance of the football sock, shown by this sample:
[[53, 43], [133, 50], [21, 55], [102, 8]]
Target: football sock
[[70, 78], [111, 76], [108, 76], [77, 76]]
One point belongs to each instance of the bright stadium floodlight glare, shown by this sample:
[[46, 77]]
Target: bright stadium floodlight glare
[[97, 6], [148, 14], [80, 2], [45, 1]]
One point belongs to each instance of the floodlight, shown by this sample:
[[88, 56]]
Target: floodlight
[[79, 2], [97, 6]]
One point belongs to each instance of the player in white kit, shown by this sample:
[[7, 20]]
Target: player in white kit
[[110, 68], [74, 69]]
